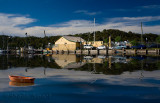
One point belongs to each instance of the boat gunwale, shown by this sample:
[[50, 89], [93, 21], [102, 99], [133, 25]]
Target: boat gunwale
[[21, 77]]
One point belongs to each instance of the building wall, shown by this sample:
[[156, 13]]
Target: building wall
[[64, 44], [95, 44], [79, 46]]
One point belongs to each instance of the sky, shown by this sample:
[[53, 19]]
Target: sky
[[63, 17]]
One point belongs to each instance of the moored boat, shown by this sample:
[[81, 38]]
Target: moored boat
[[21, 79], [18, 84]]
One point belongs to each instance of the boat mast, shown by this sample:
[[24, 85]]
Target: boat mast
[[94, 29], [3, 40], [142, 33], [44, 33]]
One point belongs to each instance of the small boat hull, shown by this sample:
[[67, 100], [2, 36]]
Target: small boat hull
[[18, 84], [21, 79]]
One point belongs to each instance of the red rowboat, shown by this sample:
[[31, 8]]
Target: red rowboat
[[21, 79]]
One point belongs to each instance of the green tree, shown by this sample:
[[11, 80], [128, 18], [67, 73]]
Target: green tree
[[118, 39], [158, 39], [134, 42], [106, 40], [37, 42]]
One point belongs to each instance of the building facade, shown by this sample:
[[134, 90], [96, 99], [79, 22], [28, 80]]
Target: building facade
[[68, 43], [94, 43]]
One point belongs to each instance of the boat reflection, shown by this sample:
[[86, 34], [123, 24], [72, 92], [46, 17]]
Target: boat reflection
[[17, 84]]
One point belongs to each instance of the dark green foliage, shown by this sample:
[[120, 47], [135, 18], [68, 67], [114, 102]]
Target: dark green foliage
[[134, 42], [130, 36], [118, 39], [38, 42], [106, 40], [158, 39]]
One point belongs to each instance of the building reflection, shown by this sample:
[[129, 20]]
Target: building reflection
[[74, 61], [68, 61], [91, 59]]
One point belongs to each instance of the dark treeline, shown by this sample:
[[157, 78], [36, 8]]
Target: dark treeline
[[38, 42], [130, 36]]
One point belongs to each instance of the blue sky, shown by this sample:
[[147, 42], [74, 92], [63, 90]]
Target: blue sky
[[62, 17]]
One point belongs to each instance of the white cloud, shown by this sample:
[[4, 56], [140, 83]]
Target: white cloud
[[74, 23], [148, 18], [151, 7], [135, 19], [10, 24], [14, 20], [87, 12]]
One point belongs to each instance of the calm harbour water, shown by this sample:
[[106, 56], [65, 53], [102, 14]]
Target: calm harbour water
[[81, 79]]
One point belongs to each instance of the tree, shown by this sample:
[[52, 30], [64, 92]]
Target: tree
[[158, 39], [37, 42], [134, 42], [118, 39], [106, 40]]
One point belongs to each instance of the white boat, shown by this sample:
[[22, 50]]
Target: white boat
[[1, 51]]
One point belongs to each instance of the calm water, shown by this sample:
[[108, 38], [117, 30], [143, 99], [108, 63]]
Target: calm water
[[81, 79]]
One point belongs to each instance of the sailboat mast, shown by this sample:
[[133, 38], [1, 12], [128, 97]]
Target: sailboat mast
[[94, 30], [44, 33], [142, 33], [3, 40]]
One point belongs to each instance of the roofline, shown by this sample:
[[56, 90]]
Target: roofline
[[72, 41]]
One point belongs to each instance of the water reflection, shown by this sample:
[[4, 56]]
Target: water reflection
[[70, 78], [11, 83], [68, 61], [96, 64]]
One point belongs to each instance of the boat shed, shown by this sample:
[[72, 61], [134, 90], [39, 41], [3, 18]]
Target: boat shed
[[68, 43]]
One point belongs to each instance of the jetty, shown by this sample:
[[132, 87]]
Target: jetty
[[106, 52]]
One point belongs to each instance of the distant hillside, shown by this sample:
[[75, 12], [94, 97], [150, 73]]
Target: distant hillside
[[101, 35], [37, 42]]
